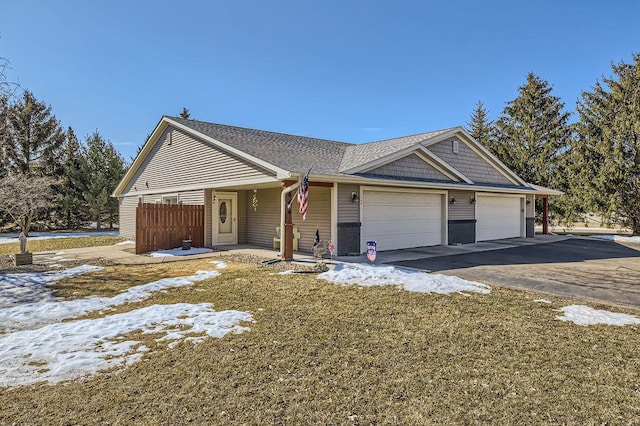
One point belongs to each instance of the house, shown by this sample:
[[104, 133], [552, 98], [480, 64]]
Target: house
[[433, 188]]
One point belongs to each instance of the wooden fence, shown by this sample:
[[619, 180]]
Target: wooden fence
[[165, 226]]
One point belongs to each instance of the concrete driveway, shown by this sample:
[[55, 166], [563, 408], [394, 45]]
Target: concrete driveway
[[581, 268]]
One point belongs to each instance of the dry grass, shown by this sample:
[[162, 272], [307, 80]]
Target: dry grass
[[319, 353], [60, 244]]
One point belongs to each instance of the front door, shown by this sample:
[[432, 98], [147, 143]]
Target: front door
[[225, 219]]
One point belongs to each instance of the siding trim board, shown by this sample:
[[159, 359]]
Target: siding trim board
[[218, 185]]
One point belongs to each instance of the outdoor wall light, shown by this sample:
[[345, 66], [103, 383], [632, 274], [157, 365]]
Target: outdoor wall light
[[146, 184], [452, 200], [354, 197], [472, 200], [528, 201]]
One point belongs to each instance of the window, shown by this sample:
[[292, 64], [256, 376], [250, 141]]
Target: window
[[172, 199]]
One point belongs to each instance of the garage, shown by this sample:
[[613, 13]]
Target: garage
[[401, 219], [498, 217]]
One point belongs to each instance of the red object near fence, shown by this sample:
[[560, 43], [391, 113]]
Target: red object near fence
[[165, 226]]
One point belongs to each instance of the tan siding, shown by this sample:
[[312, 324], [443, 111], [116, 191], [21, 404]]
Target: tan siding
[[192, 197], [531, 207], [463, 209], [318, 215], [410, 166], [244, 203], [261, 224], [348, 211], [178, 159], [128, 216], [468, 162]]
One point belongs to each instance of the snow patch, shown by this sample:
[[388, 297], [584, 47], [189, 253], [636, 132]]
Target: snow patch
[[584, 315], [414, 281], [219, 264], [291, 271], [179, 252], [74, 349], [32, 287], [619, 238], [126, 243], [28, 303], [542, 301]]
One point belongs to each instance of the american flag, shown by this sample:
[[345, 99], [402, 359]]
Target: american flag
[[303, 195]]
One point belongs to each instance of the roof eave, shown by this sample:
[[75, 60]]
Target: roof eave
[[155, 135]]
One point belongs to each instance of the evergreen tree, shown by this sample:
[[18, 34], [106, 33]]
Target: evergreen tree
[[105, 168], [31, 137], [609, 144], [117, 168], [533, 133], [481, 128], [69, 193]]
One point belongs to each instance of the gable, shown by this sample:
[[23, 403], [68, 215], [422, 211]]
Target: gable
[[410, 166], [469, 162], [179, 160]]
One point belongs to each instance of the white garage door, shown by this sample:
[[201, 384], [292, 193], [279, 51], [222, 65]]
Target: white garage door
[[498, 217], [401, 219]]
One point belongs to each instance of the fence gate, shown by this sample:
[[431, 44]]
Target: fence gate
[[165, 226]]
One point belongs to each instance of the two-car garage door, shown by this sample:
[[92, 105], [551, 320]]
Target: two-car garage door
[[401, 219], [498, 217]]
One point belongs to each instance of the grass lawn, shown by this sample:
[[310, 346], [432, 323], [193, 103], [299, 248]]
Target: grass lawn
[[60, 244], [320, 353]]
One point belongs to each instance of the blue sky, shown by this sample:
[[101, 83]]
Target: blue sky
[[353, 71]]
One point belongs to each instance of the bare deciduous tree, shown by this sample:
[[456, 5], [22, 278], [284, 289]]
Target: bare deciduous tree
[[22, 197]]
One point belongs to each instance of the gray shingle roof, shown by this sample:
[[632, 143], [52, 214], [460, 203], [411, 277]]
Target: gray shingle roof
[[357, 155], [298, 153], [289, 152]]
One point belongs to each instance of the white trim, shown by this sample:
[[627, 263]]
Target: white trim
[[168, 196], [444, 164], [160, 127], [444, 194], [209, 185]]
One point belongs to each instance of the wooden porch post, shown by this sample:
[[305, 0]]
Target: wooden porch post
[[287, 235], [288, 230], [545, 214]]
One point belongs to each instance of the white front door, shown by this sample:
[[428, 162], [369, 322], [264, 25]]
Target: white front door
[[225, 219]]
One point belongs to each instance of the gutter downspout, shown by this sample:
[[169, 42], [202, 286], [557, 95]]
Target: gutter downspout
[[283, 208]]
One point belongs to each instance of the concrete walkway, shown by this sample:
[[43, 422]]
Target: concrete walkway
[[437, 251], [118, 255]]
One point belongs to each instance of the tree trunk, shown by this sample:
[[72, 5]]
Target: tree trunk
[[68, 218], [98, 222]]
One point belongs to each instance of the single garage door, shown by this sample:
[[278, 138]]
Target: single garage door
[[498, 217], [399, 220]]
